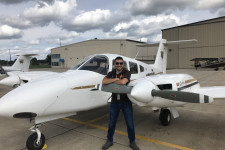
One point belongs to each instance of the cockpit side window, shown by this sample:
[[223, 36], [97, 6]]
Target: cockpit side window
[[97, 64], [133, 68]]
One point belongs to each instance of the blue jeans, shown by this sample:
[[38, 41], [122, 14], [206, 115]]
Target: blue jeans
[[128, 115]]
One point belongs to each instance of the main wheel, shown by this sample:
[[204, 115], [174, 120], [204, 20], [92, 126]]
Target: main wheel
[[32, 142], [165, 117]]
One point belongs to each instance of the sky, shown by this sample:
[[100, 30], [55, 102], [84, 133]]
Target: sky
[[36, 26]]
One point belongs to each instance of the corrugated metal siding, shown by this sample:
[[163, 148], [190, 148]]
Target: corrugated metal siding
[[74, 53], [185, 55], [211, 41]]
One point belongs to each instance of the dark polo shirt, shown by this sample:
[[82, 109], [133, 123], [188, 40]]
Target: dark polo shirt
[[124, 74]]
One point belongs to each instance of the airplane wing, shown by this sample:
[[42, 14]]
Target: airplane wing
[[214, 91]]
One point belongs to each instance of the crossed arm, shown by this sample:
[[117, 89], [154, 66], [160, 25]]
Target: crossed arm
[[114, 80]]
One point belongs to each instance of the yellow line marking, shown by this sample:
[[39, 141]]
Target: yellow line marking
[[137, 136], [97, 119], [84, 87], [44, 147]]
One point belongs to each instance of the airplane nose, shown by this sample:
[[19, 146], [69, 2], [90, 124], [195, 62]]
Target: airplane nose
[[33, 98]]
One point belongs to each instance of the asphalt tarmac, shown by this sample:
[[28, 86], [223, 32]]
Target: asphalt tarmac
[[200, 126]]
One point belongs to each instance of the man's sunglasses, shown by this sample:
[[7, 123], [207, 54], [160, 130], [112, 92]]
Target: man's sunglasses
[[117, 63]]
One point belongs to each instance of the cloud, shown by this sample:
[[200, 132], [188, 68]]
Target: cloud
[[154, 7], [145, 28], [7, 32], [16, 21], [43, 13], [8, 2], [98, 19], [34, 42], [63, 38]]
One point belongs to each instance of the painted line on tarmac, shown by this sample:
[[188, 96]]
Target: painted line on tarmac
[[137, 136], [97, 119]]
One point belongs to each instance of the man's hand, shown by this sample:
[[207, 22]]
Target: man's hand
[[115, 80], [108, 81], [122, 81]]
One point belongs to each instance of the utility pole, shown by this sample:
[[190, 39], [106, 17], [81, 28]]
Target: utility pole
[[9, 55]]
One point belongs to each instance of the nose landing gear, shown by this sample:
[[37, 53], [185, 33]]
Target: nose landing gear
[[35, 141]]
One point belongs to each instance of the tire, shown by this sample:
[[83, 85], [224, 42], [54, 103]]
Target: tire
[[31, 142], [165, 117]]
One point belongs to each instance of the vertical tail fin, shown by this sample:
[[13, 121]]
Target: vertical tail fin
[[23, 62], [161, 56]]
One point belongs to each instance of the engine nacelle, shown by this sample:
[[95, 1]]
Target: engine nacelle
[[142, 91], [11, 81]]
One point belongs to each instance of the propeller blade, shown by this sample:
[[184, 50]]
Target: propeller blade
[[114, 88], [182, 96]]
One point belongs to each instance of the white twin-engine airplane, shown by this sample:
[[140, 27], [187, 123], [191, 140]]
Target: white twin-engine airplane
[[64, 94]]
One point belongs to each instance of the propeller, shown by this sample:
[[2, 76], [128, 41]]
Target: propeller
[[182, 96], [114, 88], [146, 94]]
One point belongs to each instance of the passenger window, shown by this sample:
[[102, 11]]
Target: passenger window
[[141, 68], [97, 64], [133, 68], [124, 66]]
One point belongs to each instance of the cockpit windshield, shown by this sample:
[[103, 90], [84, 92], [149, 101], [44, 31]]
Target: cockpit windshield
[[99, 64], [81, 63]]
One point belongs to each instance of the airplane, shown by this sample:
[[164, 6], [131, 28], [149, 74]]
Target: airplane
[[209, 63], [64, 94], [18, 73], [21, 65]]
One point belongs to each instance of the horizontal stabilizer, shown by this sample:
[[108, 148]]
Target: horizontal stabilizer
[[168, 43], [27, 54], [214, 91], [182, 96]]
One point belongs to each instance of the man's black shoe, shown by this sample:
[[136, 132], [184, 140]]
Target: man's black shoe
[[134, 146], [107, 145]]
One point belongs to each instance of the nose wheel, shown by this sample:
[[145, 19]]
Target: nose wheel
[[35, 141], [165, 117]]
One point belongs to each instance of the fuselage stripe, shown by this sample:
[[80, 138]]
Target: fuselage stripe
[[187, 86], [83, 87]]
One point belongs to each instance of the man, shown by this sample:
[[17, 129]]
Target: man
[[119, 75]]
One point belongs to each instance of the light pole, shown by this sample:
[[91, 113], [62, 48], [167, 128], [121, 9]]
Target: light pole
[[9, 55]]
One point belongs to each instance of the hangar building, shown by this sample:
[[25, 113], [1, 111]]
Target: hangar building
[[69, 55], [211, 42]]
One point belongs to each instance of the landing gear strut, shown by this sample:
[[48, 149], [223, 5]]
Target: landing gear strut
[[35, 141], [165, 117]]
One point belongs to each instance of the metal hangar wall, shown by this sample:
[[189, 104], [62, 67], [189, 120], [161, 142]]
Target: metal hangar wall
[[211, 42], [69, 55]]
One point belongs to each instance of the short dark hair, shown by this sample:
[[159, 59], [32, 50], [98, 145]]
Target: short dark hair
[[119, 58]]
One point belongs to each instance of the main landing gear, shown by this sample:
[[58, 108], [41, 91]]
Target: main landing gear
[[35, 141], [165, 116]]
